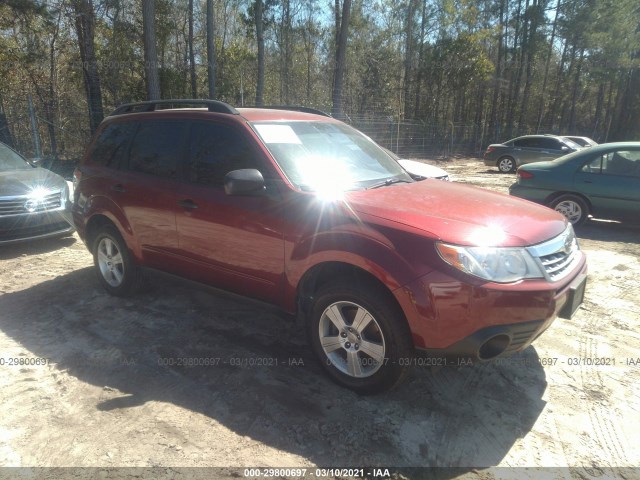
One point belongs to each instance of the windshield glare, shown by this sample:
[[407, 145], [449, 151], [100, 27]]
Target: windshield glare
[[320, 155], [10, 160]]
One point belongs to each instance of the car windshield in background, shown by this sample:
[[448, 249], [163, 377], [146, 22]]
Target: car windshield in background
[[321, 156], [571, 144], [10, 160]]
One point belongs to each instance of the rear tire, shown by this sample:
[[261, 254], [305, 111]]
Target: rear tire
[[116, 270], [574, 208], [506, 164], [360, 337]]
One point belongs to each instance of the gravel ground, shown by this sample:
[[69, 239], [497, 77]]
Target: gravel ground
[[112, 395]]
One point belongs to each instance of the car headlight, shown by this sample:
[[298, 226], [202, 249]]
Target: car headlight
[[496, 264]]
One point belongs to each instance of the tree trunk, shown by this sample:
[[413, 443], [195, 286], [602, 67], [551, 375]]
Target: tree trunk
[[260, 41], [547, 63], [150, 55], [574, 93], [211, 51], [408, 54], [528, 47], [423, 26], [341, 53], [551, 119], [516, 78], [85, 23], [494, 130], [192, 58]]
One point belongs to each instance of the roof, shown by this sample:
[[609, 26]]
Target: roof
[[268, 114]]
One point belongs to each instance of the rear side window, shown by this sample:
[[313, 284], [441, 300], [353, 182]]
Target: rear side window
[[527, 143], [111, 144], [622, 162], [215, 150], [158, 148]]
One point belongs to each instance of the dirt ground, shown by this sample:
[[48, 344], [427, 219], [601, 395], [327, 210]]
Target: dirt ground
[[109, 396]]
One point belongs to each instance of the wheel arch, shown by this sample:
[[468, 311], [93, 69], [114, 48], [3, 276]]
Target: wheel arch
[[555, 195], [323, 273]]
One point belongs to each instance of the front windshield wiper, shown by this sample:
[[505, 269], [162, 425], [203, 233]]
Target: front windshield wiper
[[387, 182]]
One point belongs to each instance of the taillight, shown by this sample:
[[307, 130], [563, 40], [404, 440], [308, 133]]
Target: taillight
[[525, 175], [489, 150]]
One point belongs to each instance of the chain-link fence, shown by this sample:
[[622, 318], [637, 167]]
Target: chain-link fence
[[407, 138]]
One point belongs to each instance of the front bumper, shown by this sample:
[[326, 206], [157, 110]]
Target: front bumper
[[34, 226], [454, 321]]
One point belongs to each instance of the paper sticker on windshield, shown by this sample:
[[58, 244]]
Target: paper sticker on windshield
[[277, 134]]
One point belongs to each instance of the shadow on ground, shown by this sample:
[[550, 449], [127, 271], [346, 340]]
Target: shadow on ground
[[265, 384], [609, 231], [35, 247]]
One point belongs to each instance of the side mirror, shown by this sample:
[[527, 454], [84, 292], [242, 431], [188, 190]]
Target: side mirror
[[247, 181], [565, 148]]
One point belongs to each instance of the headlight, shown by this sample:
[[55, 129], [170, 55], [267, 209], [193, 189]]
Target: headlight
[[496, 264]]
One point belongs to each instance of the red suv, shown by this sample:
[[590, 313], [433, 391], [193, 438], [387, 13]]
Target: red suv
[[302, 211]]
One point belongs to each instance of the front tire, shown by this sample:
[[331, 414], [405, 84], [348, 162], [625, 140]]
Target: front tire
[[574, 208], [116, 270], [360, 337]]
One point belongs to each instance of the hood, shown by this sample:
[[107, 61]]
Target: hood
[[21, 182], [459, 214]]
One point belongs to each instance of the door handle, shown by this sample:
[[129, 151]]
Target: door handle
[[118, 188], [588, 181], [188, 203]]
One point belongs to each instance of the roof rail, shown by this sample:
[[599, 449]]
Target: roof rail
[[151, 106], [294, 108]]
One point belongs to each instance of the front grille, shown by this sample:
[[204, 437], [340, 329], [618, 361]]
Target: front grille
[[557, 256], [23, 204], [556, 264]]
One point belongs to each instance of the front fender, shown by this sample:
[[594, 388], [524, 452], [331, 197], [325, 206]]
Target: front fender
[[384, 257]]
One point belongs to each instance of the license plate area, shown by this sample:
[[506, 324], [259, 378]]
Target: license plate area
[[575, 296]]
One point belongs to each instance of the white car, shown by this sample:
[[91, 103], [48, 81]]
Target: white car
[[419, 169], [424, 170]]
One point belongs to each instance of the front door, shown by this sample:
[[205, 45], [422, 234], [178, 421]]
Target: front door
[[233, 242], [612, 183]]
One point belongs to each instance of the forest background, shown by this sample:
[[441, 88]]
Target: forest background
[[422, 77]]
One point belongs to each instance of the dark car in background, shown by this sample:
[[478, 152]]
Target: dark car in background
[[602, 181], [34, 202], [518, 151]]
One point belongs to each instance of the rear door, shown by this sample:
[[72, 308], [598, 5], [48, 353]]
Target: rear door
[[146, 189], [527, 150], [233, 242], [612, 183]]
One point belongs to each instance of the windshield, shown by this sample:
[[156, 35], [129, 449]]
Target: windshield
[[318, 156], [572, 143], [10, 160]]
